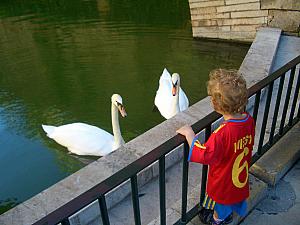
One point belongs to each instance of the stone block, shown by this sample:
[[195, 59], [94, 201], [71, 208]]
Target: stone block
[[246, 14], [286, 20], [206, 4], [258, 61], [279, 159], [280, 4], [237, 35], [240, 7], [212, 29], [245, 28], [193, 1], [235, 2], [212, 35], [241, 21], [209, 16], [206, 10], [204, 23]]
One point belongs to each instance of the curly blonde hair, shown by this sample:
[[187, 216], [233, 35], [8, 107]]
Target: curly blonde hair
[[228, 91]]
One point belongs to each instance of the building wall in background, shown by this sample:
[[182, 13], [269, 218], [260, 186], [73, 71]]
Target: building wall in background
[[240, 19]]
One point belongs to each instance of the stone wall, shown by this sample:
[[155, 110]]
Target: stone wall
[[240, 19]]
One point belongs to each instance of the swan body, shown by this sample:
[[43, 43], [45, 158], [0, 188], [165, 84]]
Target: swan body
[[170, 98], [85, 139]]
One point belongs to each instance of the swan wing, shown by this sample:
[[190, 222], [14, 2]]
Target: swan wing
[[183, 100], [83, 139], [163, 97]]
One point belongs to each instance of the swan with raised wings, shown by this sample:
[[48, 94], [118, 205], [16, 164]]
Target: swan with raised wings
[[170, 98], [85, 139]]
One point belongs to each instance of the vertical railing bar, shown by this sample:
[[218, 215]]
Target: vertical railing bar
[[256, 105], [204, 168], [65, 221], [298, 114], [265, 118], [103, 209], [135, 200], [185, 171], [275, 116], [287, 98], [294, 100], [162, 190]]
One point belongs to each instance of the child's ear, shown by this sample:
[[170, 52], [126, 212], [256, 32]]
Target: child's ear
[[213, 102], [215, 105]]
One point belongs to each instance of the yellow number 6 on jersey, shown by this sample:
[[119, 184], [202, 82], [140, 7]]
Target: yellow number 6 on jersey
[[237, 169]]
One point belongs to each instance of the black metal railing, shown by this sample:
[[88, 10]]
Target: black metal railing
[[130, 172]]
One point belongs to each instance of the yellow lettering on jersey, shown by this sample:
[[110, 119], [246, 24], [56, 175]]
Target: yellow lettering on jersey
[[242, 142]]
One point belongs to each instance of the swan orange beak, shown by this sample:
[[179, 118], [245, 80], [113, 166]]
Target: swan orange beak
[[122, 110], [174, 90]]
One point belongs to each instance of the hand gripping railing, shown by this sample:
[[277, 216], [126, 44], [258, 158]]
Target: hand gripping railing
[[62, 214]]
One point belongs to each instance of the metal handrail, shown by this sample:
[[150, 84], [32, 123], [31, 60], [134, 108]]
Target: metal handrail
[[129, 172]]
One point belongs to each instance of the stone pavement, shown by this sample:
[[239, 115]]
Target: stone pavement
[[282, 205]]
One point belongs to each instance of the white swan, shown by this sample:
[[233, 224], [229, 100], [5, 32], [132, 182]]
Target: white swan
[[84, 139], [170, 98]]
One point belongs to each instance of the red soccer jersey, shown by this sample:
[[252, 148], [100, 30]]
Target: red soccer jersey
[[228, 153]]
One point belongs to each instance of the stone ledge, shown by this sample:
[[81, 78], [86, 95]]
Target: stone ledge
[[277, 161]]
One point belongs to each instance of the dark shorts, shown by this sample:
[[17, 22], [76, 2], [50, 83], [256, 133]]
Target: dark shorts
[[224, 211]]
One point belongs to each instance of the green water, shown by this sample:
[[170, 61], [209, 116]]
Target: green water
[[60, 62]]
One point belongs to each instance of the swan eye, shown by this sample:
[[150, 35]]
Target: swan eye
[[119, 104], [175, 84]]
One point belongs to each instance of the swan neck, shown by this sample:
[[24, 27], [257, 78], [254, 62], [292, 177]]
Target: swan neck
[[118, 140], [175, 102]]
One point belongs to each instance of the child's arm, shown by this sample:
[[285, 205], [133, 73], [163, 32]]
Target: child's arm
[[188, 132], [199, 153]]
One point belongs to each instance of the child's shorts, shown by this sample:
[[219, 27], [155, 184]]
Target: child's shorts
[[224, 211]]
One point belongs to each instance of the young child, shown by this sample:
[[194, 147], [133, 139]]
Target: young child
[[228, 150]]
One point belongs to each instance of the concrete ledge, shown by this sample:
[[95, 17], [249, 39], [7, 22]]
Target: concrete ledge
[[279, 159], [259, 59]]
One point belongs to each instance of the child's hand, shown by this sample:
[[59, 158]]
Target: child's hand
[[188, 132], [185, 131]]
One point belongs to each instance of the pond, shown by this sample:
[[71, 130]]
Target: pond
[[61, 60]]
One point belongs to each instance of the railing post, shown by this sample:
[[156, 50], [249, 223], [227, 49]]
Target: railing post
[[256, 105], [294, 100], [103, 209], [135, 200], [265, 118], [185, 171], [162, 190], [65, 221], [277, 104], [287, 98]]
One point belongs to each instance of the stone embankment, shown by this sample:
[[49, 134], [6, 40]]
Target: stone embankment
[[240, 19]]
